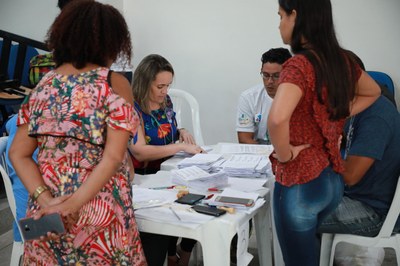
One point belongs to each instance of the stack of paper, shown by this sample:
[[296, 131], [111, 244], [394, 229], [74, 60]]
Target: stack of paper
[[199, 179], [246, 165], [201, 160], [229, 148]]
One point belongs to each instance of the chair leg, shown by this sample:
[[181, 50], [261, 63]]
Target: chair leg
[[17, 252], [326, 247]]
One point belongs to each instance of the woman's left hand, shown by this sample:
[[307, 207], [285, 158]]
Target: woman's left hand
[[186, 137]]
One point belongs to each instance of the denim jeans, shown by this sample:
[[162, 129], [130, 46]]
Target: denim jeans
[[298, 211], [353, 217]]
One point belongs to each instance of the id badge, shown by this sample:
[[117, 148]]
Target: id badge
[[257, 118]]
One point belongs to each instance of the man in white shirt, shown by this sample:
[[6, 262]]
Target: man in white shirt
[[254, 103]]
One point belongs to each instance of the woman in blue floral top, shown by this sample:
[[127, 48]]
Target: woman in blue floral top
[[158, 138]]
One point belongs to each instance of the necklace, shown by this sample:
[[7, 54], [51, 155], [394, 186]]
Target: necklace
[[349, 137]]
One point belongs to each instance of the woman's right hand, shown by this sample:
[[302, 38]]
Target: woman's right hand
[[192, 148]]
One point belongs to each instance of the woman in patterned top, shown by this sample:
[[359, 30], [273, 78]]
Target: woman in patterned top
[[81, 125], [318, 88], [157, 141]]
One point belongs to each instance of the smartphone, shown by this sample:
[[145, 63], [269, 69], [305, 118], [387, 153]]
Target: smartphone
[[208, 210], [190, 199], [34, 229], [235, 201]]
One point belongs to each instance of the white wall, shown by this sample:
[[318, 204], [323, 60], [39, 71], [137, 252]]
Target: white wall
[[215, 45]]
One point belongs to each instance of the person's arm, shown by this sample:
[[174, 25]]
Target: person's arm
[[355, 168], [145, 152], [122, 87], [286, 99], [367, 92], [246, 137], [185, 136], [21, 151], [245, 121]]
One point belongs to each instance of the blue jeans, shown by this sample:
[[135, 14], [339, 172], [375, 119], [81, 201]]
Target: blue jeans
[[298, 211], [353, 217]]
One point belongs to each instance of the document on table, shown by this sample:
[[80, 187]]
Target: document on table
[[199, 179], [230, 148], [146, 198], [159, 205], [242, 184]]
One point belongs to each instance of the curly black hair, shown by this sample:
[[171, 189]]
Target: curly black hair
[[89, 32]]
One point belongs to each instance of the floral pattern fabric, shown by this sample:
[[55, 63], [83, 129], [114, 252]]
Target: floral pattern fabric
[[69, 115], [160, 128]]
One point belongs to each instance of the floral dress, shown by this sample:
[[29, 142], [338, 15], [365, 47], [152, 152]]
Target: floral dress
[[69, 115]]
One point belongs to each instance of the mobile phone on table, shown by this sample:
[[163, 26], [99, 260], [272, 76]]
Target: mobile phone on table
[[235, 201], [34, 229], [208, 210], [190, 199]]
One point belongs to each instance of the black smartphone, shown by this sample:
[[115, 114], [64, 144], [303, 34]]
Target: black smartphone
[[34, 229], [235, 201], [190, 199], [208, 210]]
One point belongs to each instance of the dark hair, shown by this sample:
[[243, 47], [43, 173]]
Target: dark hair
[[144, 75], [314, 36], [276, 55], [89, 32], [62, 3]]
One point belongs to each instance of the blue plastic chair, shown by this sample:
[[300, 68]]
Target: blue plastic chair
[[383, 79]]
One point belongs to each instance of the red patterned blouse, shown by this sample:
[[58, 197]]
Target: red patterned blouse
[[309, 124]]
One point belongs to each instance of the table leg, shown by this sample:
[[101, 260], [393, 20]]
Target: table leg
[[262, 223]]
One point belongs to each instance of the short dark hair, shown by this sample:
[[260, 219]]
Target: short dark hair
[[87, 31], [276, 55], [61, 3]]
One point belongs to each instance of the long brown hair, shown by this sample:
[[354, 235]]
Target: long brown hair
[[144, 75]]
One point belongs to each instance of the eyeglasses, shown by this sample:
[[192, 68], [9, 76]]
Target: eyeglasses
[[267, 76]]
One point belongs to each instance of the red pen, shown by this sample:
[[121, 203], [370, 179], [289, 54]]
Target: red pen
[[214, 189], [210, 196]]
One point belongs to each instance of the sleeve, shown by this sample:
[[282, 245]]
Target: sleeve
[[370, 138], [122, 115], [23, 113], [244, 116], [298, 71]]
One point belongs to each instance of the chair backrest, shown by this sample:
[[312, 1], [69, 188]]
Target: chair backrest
[[392, 216], [383, 79], [6, 178], [179, 97], [16, 52]]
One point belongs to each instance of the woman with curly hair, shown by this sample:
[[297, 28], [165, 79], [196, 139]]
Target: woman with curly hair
[[81, 117]]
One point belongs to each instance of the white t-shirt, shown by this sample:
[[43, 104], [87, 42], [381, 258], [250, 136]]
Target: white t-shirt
[[252, 113]]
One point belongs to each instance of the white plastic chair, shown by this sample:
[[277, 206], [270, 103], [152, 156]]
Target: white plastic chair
[[179, 97], [18, 247], [385, 238]]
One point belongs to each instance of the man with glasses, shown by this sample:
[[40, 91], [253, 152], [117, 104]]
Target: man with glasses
[[254, 103]]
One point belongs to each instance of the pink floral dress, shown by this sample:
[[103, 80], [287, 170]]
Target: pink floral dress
[[69, 115]]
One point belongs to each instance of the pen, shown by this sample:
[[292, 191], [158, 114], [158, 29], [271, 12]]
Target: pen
[[169, 187], [214, 189], [174, 212]]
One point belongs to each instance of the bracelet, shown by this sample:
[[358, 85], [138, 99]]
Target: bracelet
[[39, 190], [291, 158]]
